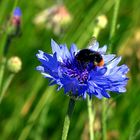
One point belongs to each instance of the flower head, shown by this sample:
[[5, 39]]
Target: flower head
[[81, 72], [16, 18], [56, 18], [14, 28]]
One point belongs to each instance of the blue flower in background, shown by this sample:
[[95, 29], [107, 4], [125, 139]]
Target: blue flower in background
[[17, 12], [81, 72]]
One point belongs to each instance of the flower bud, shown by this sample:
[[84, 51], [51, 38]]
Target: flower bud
[[102, 21], [15, 22], [14, 64], [16, 19]]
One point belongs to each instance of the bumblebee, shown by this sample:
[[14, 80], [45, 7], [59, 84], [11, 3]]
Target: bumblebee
[[87, 55]]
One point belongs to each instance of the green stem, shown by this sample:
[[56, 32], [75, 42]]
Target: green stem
[[46, 98], [112, 34], [4, 49], [96, 31], [113, 25], [15, 5], [91, 115], [68, 118], [134, 135], [3, 42], [6, 85], [2, 69], [5, 35], [104, 119]]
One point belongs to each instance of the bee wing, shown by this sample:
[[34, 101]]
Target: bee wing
[[93, 44]]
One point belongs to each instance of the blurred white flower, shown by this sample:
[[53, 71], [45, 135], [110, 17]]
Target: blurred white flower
[[55, 18]]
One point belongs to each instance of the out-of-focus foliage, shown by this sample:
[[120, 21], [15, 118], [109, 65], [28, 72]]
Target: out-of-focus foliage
[[29, 102]]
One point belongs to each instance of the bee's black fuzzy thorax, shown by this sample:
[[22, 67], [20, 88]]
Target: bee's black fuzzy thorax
[[87, 55]]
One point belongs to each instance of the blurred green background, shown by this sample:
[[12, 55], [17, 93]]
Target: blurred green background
[[32, 110]]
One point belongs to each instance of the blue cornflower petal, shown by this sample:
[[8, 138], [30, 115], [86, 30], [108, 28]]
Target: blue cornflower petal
[[100, 71], [73, 50], [91, 88], [79, 78], [56, 49], [123, 69], [41, 55], [43, 72], [40, 68], [108, 58], [69, 84], [114, 63], [102, 50], [65, 52], [105, 94]]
